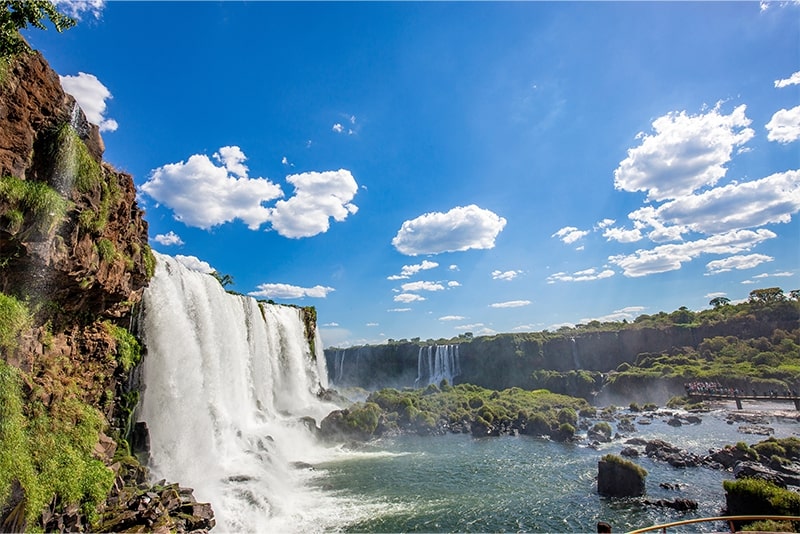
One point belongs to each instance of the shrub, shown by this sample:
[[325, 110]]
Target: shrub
[[106, 250], [47, 206], [752, 496], [129, 352]]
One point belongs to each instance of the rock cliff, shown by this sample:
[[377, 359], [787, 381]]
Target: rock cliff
[[74, 260]]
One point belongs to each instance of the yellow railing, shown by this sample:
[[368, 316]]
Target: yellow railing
[[727, 519]]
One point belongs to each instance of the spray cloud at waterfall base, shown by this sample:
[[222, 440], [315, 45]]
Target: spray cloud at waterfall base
[[226, 383]]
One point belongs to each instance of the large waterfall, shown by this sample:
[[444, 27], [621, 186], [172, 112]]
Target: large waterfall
[[226, 381], [436, 363]]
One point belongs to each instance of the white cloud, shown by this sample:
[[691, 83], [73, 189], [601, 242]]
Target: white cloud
[[194, 263], [469, 326], [715, 294], [330, 325], [372, 324], [570, 234], [409, 270], [317, 197], [510, 304], [794, 79], [452, 318], [399, 310], [784, 126], [338, 128], [585, 275], [671, 257], [686, 152], [77, 8], [453, 283], [507, 275], [408, 297], [622, 235], [461, 228], [91, 96], [287, 291], [204, 194], [738, 262], [453, 267], [168, 239], [422, 286], [735, 206], [605, 223], [627, 313]]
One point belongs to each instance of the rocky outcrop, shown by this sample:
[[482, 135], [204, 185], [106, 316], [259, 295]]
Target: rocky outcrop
[[74, 249], [617, 477]]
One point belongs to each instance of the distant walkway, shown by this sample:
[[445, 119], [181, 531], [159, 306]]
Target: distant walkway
[[715, 391]]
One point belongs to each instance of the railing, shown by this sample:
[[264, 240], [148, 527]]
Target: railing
[[730, 519]]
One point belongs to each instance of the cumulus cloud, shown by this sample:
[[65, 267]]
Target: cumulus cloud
[[570, 234], [453, 283], [410, 270], [461, 228], [205, 193], [784, 126], [452, 318], [671, 257], [194, 263], [288, 291], [422, 286], [510, 304], [318, 196], [505, 275], [794, 79], [168, 239], [685, 153], [338, 128], [628, 313], [408, 297], [735, 206], [91, 95], [585, 275], [738, 262], [622, 235]]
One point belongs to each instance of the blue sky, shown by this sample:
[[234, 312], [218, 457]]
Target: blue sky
[[426, 169]]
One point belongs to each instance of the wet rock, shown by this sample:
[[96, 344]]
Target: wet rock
[[617, 477], [682, 505], [757, 430]]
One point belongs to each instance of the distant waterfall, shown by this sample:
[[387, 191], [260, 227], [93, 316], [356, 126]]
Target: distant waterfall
[[436, 363], [226, 380]]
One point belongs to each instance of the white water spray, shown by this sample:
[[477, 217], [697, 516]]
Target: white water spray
[[226, 380]]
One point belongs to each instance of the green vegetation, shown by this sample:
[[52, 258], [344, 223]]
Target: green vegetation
[[614, 459], [760, 497], [149, 260], [74, 165], [14, 319], [95, 220], [465, 407], [16, 15], [106, 250], [48, 450], [46, 205], [129, 351], [761, 364]]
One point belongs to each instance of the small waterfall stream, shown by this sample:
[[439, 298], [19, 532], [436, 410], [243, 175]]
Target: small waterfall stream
[[436, 363]]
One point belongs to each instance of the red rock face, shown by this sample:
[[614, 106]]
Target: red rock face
[[97, 269]]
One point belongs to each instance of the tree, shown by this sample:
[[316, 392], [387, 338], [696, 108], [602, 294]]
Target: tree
[[769, 295], [224, 279], [718, 302], [18, 14]]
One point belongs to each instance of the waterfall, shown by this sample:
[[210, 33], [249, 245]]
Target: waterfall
[[226, 380], [576, 362], [436, 363]]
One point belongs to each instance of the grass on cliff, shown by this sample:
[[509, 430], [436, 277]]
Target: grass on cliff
[[14, 319], [74, 165], [46, 205], [48, 451], [129, 351]]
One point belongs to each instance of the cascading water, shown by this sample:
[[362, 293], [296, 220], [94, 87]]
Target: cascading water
[[436, 363], [226, 381]]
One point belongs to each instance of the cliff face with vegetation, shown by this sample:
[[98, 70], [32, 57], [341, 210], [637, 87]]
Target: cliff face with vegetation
[[584, 360], [74, 261]]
